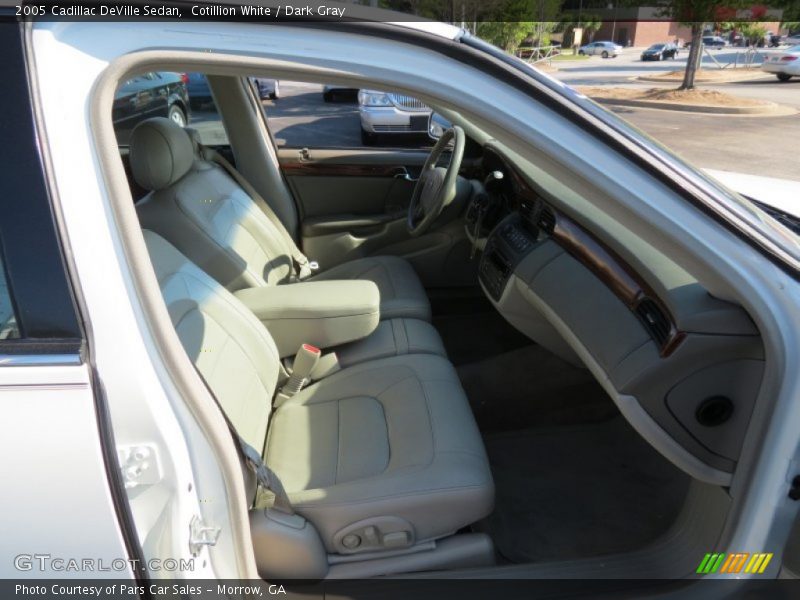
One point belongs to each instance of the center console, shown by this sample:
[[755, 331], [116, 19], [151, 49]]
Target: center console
[[321, 313], [512, 239]]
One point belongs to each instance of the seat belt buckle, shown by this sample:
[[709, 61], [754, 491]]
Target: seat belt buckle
[[304, 363], [313, 265]]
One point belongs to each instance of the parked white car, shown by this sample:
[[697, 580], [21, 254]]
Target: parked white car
[[604, 49], [218, 370], [784, 64], [792, 40], [388, 114]]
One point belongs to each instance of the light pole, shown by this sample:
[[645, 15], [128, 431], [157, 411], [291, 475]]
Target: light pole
[[612, 5]]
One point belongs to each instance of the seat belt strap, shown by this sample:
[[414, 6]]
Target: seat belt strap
[[266, 477], [302, 266]]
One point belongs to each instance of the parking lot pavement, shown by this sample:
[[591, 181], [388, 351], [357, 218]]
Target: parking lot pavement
[[755, 145], [764, 146], [623, 71], [302, 118], [629, 64]]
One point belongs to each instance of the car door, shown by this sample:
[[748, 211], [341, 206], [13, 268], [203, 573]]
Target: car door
[[56, 482], [352, 200]]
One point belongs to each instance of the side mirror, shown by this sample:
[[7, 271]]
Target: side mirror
[[437, 125]]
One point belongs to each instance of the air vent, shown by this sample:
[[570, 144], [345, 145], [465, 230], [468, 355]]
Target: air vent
[[547, 221], [654, 320], [526, 209]]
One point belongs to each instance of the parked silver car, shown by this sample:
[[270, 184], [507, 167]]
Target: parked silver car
[[604, 49], [388, 113]]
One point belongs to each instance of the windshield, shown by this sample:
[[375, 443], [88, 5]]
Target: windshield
[[656, 47], [651, 134]]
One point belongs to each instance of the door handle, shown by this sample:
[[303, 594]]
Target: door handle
[[402, 173]]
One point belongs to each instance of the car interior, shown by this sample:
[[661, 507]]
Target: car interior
[[451, 361]]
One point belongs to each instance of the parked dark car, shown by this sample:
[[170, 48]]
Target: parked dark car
[[199, 92], [154, 94], [660, 52]]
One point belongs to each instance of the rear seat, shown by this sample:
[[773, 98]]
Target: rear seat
[[380, 457]]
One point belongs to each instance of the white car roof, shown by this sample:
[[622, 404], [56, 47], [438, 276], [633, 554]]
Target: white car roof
[[444, 30]]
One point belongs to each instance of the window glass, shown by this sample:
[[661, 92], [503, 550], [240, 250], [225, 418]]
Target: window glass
[[155, 94], [205, 117], [328, 116], [8, 321], [298, 114]]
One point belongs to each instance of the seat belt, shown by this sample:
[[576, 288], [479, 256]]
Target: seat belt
[[303, 267], [266, 477]]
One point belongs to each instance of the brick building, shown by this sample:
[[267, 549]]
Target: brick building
[[642, 26]]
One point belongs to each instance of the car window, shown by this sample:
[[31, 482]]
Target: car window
[[205, 119], [308, 115], [147, 95], [8, 321]]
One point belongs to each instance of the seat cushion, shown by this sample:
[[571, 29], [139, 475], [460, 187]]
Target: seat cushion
[[393, 337], [390, 445], [402, 294]]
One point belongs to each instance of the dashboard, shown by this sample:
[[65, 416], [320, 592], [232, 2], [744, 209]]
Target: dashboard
[[684, 367]]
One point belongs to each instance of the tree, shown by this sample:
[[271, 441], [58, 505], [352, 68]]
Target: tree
[[507, 35], [752, 32], [695, 14], [506, 24]]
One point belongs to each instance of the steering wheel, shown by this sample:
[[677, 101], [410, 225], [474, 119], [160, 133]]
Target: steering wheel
[[436, 186]]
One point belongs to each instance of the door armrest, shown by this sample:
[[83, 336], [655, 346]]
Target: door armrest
[[325, 225]]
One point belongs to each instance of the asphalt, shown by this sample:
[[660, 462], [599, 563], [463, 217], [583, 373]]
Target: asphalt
[[757, 145]]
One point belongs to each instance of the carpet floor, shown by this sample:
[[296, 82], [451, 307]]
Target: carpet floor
[[569, 492]]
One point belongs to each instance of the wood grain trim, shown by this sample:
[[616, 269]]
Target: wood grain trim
[[326, 169], [605, 263], [614, 271]]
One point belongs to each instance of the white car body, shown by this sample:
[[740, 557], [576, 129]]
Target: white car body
[[783, 64], [604, 49], [403, 115], [191, 474], [781, 194]]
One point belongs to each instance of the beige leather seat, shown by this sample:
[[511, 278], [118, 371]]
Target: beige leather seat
[[200, 209], [379, 457]]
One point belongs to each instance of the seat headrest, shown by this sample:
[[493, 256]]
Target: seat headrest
[[160, 153]]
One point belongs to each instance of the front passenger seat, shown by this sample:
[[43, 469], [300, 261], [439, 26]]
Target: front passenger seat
[[381, 458], [235, 237]]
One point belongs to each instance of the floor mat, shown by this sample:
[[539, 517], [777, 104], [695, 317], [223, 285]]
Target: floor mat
[[532, 387], [476, 336], [572, 492]]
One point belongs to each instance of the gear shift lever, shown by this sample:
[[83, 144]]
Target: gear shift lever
[[481, 204], [492, 178]]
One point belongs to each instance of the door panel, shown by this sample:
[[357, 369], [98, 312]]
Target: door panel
[[350, 181], [367, 196], [353, 203]]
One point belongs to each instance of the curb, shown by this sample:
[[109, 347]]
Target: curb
[[767, 109], [656, 79]]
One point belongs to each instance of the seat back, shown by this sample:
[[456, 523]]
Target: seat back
[[203, 212], [229, 346]]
